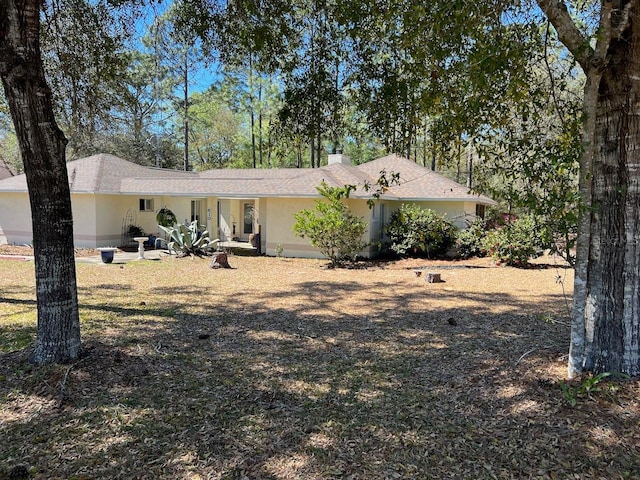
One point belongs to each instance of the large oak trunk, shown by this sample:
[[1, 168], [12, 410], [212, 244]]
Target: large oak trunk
[[42, 145], [610, 278]]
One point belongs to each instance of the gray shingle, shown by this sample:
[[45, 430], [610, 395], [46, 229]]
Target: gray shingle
[[105, 173]]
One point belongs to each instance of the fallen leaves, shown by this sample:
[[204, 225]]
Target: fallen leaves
[[285, 370]]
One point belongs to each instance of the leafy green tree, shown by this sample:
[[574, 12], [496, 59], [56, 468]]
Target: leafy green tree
[[81, 45], [331, 227], [255, 94], [532, 161], [314, 78], [42, 147], [136, 112], [216, 131], [178, 51]]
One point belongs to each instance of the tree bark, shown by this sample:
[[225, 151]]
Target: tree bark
[[252, 114], [186, 111], [42, 145], [612, 305], [606, 314], [220, 260]]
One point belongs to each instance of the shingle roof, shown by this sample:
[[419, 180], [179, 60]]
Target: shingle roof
[[418, 183], [4, 171], [105, 173]]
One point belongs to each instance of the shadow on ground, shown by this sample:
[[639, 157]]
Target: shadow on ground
[[295, 385]]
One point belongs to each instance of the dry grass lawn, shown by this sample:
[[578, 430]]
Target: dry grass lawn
[[283, 369]]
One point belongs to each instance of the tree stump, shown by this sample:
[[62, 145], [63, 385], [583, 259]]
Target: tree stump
[[433, 278], [220, 260]]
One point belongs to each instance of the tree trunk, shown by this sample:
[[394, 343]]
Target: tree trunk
[[260, 122], [470, 166], [612, 303], [42, 145], [252, 112], [186, 111]]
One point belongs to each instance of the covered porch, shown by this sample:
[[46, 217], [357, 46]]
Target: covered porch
[[239, 224]]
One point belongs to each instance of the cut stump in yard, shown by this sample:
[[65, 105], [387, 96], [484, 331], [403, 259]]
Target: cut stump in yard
[[220, 260], [433, 278]]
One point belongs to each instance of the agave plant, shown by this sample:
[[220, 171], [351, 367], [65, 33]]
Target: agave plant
[[188, 240]]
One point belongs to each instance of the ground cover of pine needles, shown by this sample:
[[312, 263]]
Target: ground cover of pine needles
[[284, 369]]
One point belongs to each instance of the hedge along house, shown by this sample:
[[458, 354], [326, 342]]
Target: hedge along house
[[109, 194]]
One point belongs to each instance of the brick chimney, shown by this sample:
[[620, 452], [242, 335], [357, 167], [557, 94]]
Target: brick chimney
[[339, 158]]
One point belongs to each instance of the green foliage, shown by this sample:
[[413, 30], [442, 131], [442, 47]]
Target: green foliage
[[82, 43], [381, 186], [470, 241], [135, 231], [188, 240], [589, 386], [166, 218], [531, 162], [515, 243], [215, 136], [413, 230], [331, 227]]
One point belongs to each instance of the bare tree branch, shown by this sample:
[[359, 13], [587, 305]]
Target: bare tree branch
[[568, 33]]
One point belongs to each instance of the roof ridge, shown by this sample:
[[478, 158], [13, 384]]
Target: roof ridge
[[98, 178]]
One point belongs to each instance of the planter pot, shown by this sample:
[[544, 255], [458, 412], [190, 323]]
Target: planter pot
[[106, 254]]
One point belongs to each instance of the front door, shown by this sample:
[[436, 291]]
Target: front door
[[248, 218], [196, 211]]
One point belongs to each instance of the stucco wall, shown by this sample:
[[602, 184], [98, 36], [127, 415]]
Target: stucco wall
[[280, 228], [98, 219], [277, 226], [457, 213], [15, 219], [112, 212], [278, 223], [262, 206], [85, 220], [211, 217]]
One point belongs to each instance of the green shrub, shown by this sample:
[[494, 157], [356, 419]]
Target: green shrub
[[469, 242], [331, 227], [416, 231], [516, 243], [135, 231]]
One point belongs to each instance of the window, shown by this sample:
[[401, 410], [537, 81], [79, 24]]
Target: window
[[480, 210], [146, 204]]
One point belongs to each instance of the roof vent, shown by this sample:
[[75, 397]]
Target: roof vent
[[339, 158]]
